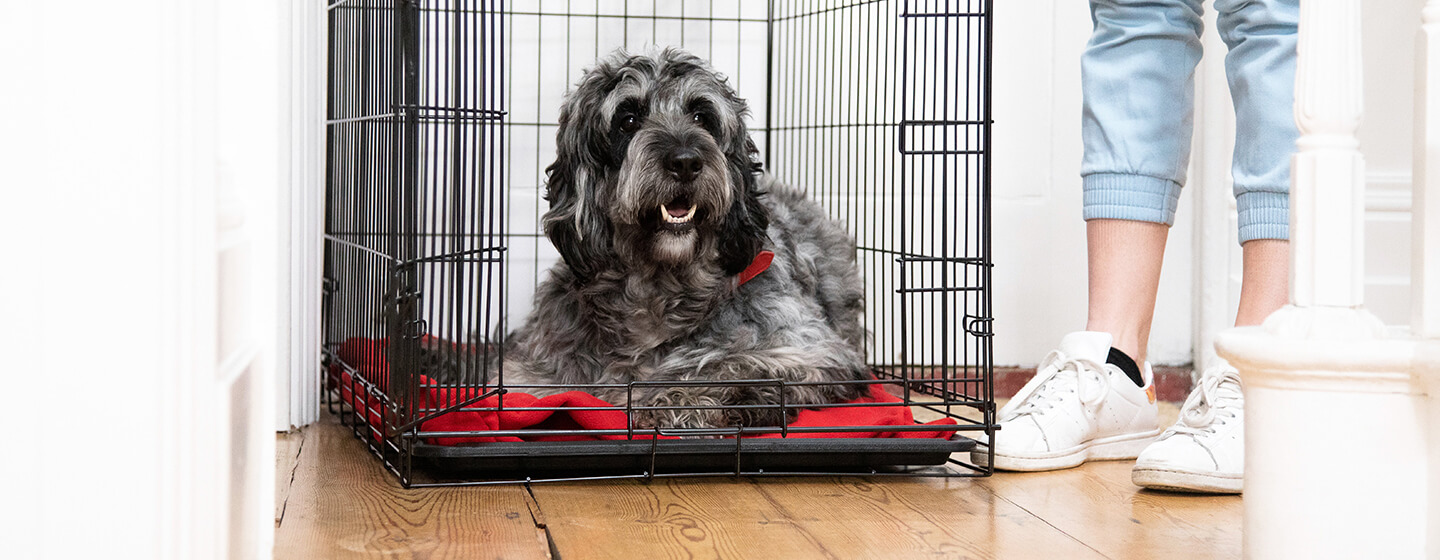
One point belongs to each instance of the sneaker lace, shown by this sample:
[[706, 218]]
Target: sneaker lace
[[1059, 375], [1218, 395]]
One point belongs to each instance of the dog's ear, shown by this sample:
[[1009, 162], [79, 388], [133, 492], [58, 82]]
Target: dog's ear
[[579, 232], [753, 154], [744, 231], [576, 223], [743, 235]]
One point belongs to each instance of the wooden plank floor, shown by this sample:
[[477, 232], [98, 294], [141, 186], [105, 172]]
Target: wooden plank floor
[[343, 504], [339, 503]]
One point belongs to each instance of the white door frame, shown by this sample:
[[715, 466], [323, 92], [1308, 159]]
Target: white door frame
[[301, 219]]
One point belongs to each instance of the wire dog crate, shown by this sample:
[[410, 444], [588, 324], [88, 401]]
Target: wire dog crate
[[442, 119]]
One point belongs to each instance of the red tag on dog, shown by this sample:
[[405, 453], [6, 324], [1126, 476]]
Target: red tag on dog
[[761, 262]]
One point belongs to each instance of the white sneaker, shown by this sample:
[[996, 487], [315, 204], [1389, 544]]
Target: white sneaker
[[1205, 450], [1077, 408]]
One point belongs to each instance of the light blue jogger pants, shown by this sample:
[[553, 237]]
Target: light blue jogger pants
[[1138, 74]]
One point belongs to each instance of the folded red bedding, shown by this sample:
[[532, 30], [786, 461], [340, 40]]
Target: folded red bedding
[[583, 411]]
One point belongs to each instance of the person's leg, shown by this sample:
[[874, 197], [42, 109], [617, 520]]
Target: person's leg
[[1124, 263], [1138, 81], [1265, 280], [1260, 66], [1262, 36], [1125, 256], [1137, 78], [1205, 450]]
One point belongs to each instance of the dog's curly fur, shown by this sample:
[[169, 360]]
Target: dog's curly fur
[[636, 299]]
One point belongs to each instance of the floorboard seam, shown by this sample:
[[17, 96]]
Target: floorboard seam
[[285, 506], [1045, 521], [809, 537], [538, 517]]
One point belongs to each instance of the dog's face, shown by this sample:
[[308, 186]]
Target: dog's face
[[654, 167]]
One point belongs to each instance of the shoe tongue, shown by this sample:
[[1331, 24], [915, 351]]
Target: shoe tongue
[[1225, 388], [1089, 345], [1230, 391]]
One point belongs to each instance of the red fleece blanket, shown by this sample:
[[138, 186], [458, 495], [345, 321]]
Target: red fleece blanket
[[579, 410]]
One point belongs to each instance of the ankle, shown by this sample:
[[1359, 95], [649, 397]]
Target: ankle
[[1134, 350], [1128, 341], [1127, 365]]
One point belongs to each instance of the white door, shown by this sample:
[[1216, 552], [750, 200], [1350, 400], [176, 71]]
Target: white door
[[139, 212]]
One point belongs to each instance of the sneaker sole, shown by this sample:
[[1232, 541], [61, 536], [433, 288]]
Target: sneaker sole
[[1185, 481], [1113, 448]]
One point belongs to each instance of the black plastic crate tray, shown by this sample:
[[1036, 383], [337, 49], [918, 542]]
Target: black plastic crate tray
[[690, 455]]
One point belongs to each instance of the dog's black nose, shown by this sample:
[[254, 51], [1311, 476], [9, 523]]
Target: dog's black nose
[[683, 164]]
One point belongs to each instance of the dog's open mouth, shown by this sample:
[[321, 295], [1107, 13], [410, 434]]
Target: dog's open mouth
[[677, 215]]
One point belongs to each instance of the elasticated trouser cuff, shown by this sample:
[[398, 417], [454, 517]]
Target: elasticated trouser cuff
[[1122, 196], [1263, 214]]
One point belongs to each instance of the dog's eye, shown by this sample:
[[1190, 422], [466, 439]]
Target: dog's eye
[[701, 118], [629, 124]]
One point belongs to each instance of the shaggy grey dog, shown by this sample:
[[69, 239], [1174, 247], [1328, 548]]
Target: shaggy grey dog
[[657, 204]]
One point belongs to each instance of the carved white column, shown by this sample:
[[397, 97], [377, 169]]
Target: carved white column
[[1336, 438], [1327, 224]]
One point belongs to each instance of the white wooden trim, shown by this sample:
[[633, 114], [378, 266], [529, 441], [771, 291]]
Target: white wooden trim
[[1388, 192], [1215, 237], [1425, 218], [302, 218], [1425, 241], [190, 524]]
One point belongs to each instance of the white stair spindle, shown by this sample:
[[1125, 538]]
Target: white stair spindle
[[1327, 221]]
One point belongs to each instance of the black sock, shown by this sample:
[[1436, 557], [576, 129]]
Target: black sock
[[1127, 365]]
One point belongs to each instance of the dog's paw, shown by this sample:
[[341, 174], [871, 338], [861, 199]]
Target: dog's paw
[[686, 419], [768, 417], [678, 409]]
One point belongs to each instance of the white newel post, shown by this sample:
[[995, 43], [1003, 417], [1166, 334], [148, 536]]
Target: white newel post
[[1336, 460], [1425, 220]]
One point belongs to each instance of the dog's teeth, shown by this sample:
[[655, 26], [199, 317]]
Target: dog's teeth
[[665, 213]]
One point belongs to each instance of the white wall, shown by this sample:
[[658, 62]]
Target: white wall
[[1386, 135]]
